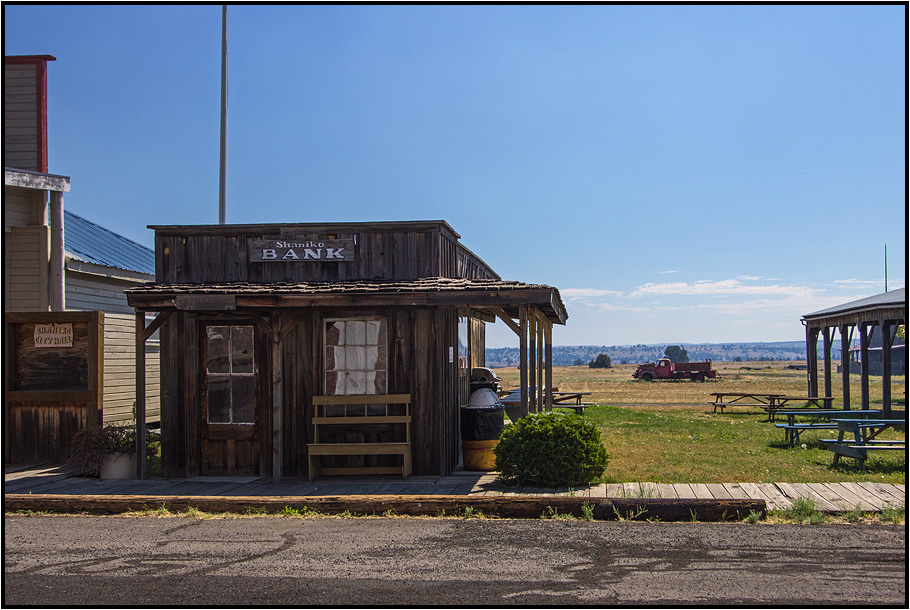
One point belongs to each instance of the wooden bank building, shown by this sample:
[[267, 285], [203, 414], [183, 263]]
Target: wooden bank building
[[306, 350]]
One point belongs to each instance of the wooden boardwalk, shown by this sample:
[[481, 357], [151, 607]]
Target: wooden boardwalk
[[830, 497]]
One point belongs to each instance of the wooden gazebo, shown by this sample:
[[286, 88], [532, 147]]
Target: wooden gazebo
[[887, 311]]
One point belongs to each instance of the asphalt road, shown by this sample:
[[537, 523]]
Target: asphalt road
[[119, 561]]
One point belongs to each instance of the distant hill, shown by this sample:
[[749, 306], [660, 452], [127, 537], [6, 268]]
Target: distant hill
[[632, 354]]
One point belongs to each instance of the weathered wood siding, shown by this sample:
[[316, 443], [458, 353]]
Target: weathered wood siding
[[26, 268], [418, 364], [21, 145], [49, 393], [86, 292], [405, 252], [21, 207], [119, 397], [42, 431]]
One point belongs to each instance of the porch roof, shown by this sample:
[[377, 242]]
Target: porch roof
[[507, 296]]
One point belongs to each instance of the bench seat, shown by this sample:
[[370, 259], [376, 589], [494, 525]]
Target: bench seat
[[356, 414], [579, 409], [734, 404], [794, 430]]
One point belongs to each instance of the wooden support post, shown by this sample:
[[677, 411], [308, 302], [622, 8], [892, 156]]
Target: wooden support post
[[548, 339], [865, 338], [887, 342], [523, 358], [828, 337], [533, 405], [140, 395], [845, 335], [540, 364], [812, 360], [277, 399], [57, 291]]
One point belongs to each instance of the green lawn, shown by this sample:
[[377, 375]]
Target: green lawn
[[667, 433]]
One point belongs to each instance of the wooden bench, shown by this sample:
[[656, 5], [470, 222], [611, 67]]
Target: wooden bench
[[736, 399], [792, 431], [359, 412], [579, 408], [864, 438], [821, 420]]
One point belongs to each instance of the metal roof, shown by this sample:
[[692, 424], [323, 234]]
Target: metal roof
[[894, 298], [90, 243]]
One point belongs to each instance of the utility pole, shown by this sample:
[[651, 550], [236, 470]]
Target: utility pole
[[222, 177], [886, 267]]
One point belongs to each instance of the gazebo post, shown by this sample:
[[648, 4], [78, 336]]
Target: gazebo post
[[812, 359], [887, 342], [845, 336], [828, 338], [865, 338]]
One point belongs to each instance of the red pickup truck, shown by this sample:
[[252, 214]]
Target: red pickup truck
[[664, 369]]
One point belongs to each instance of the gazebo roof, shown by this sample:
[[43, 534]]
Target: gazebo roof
[[894, 298], [890, 306]]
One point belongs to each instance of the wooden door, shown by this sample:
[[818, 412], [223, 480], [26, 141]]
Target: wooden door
[[231, 410]]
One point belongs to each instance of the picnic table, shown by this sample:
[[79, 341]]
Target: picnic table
[[779, 403], [741, 399], [571, 400], [821, 420], [864, 433]]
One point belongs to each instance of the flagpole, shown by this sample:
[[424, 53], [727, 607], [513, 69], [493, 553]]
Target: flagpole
[[222, 177]]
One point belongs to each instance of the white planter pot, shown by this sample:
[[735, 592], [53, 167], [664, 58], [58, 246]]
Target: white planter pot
[[118, 466]]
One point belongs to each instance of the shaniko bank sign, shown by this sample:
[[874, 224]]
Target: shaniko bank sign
[[301, 250]]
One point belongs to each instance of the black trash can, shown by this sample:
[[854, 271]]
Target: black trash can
[[482, 421]]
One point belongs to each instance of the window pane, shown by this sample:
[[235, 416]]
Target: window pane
[[375, 336], [242, 349], [334, 333], [355, 358], [243, 398], [355, 382], [377, 383], [217, 349], [356, 332], [219, 399]]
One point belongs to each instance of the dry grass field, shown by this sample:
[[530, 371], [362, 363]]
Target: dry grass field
[[666, 432]]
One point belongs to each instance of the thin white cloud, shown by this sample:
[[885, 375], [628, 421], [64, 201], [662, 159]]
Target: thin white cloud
[[671, 271], [731, 287], [583, 294]]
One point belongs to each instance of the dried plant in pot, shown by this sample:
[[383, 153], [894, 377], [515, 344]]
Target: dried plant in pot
[[108, 452]]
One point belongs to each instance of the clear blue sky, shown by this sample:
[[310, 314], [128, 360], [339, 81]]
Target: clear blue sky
[[680, 173]]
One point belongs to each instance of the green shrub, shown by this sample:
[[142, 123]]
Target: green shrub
[[551, 449]]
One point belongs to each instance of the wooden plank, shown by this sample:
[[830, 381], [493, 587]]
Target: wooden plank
[[852, 498], [597, 491], [735, 490], [718, 491], [888, 493], [769, 493], [665, 490], [824, 497], [683, 490], [701, 491]]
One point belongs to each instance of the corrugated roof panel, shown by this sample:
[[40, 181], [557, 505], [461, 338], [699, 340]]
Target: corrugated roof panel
[[893, 298], [91, 243]]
